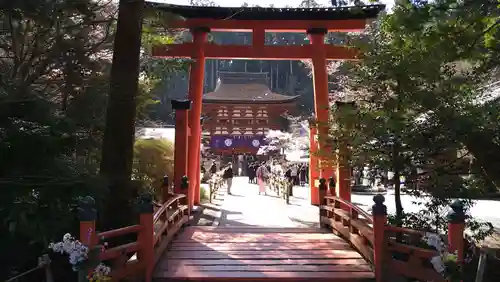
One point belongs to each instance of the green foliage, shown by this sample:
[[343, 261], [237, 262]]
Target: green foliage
[[153, 159], [418, 91], [203, 193], [52, 76]]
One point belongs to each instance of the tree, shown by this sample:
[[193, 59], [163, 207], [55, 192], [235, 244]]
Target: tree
[[417, 97], [294, 138], [153, 159], [53, 67]]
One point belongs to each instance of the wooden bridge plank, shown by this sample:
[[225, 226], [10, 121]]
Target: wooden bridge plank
[[272, 268], [252, 237], [218, 255], [331, 276], [258, 246], [175, 262], [209, 254], [254, 229]]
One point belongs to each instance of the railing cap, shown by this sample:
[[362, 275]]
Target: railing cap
[[184, 182], [378, 208], [165, 180], [145, 203], [331, 181], [181, 104], [322, 184], [456, 213], [86, 209]]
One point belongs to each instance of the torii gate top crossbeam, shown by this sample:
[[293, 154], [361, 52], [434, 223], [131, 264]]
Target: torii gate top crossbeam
[[237, 19]]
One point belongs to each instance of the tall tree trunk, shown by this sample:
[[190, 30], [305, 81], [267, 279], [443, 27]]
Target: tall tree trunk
[[117, 148], [396, 167]]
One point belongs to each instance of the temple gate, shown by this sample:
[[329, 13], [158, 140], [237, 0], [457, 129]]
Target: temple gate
[[315, 22]]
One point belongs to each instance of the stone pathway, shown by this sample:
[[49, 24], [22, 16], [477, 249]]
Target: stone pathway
[[245, 207]]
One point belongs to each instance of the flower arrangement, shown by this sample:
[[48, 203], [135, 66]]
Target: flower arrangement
[[82, 260], [446, 263]]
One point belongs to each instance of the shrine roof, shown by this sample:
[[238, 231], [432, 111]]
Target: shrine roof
[[245, 88], [260, 13]]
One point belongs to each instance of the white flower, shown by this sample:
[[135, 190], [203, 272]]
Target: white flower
[[438, 264], [434, 240], [67, 237], [75, 249], [102, 270]]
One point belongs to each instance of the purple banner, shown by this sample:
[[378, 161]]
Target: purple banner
[[233, 142]]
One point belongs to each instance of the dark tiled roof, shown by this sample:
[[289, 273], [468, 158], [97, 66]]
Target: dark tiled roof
[[258, 13], [234, 87]]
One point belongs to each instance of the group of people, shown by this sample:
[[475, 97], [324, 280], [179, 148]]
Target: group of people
[[227, 175], [298, 174], [257, 170]]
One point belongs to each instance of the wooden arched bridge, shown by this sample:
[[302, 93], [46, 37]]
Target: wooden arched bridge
[[350, 245]]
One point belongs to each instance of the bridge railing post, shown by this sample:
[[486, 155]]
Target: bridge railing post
[[331, 185], [379, 213], [322, 191], [456, 228], [87, 213], [184, 189], [146, 235]]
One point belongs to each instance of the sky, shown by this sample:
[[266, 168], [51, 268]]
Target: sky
[[262, 3]]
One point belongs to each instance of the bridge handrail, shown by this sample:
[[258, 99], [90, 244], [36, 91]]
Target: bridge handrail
[[174, 213], [154, 232], [43, 263], [214, 183], [384, 245], [344, 218], [353, 207]]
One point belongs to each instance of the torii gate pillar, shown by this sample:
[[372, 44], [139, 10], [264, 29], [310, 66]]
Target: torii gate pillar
[[196, 77], [321, 101], [313, 165], [181, 108]]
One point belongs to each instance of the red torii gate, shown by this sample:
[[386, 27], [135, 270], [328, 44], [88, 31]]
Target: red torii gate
[[315, 22]]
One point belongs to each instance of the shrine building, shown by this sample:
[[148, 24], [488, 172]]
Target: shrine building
[[240, 112]]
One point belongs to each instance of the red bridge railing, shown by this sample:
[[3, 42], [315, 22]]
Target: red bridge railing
[[157, 226], [390, 249]]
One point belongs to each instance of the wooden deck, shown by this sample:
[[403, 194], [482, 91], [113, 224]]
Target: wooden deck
[[260, 253]]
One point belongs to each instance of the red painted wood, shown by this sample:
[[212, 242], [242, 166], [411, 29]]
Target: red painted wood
[[319, 54], [313, 166], [119, 232], [196, 76], [175, 262], [281, 254], [456, 239], [145, 239], [87, 233], [257, 275], [379, 246], [274, 268], [270, 26], [257, 246], [248, 52]]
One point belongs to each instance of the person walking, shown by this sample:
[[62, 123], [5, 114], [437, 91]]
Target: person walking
[[213, 168], [261, 178], [228, 176]]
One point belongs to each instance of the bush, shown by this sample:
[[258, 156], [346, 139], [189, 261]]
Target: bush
[[204, 192], [153, 159]]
